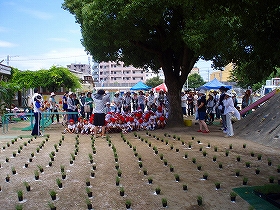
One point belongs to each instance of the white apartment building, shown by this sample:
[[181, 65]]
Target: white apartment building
[[150, 74], [116, 74]]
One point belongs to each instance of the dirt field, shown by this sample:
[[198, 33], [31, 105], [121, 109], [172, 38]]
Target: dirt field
[[106, 195]]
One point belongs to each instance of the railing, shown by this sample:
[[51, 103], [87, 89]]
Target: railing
[[45, 118], [114, 84]]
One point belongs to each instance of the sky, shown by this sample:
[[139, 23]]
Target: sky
[[37, 34]]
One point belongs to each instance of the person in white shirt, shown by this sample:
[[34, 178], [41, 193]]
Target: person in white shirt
[[100, 100], [151, 99], [117, 101], [184, 103], [53, 107], [71, 127], [229, 111]]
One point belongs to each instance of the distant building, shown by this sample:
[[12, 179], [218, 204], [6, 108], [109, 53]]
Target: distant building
[[5, 72], [116, 75], [83, 71], [224, 74], [194, 70], [150, 74]]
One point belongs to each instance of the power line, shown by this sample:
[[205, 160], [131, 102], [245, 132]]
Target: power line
[[38, 59]]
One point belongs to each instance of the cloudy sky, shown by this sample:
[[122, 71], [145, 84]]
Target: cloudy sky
[[36, 34]]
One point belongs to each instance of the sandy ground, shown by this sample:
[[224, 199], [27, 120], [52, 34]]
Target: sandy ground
[[106, 194]]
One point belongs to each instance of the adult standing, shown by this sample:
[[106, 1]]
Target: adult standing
[[64, 107], [77, 106], [36, 92], [134, 101], [210, 106], [150, 100], [82, 101], [201, 110], [89, 101], [117, 101], [141, 100], [100, 99], [247, 99], [53, 108], [161, 98], [217, 101], [184, 103], [190, 103], [221, 107], [71, 106], [127, 102], [38, 109], [229, 111]]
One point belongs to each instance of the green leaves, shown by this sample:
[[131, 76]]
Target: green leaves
[[51, 79]]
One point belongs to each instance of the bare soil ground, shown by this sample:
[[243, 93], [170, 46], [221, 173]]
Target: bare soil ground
[[106, 194]]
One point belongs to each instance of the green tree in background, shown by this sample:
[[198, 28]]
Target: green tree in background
[[174, 35], [52, 79], [194, 81], [153, 82], [8, 91]]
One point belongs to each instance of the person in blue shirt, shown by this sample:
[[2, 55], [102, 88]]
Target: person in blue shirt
[[38, 109]]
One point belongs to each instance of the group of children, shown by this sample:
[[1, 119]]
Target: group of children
[[116, 122]]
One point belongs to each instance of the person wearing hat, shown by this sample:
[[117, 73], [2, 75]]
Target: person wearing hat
[[38, 109], [229, 112], [99, 100], [201, 110], [117, 101], [53, 108], [108, 107]]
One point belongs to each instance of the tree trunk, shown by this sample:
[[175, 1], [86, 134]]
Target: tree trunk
[[176, 67], [175, 115]]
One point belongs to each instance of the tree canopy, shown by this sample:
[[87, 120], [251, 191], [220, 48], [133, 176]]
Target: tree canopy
[[173, 35], [52, 79], [153, 82], [194, 81]]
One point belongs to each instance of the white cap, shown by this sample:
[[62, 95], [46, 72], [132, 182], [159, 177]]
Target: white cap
[[229, 93], [52, 94]]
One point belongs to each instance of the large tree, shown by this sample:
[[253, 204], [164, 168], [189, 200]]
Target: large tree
[[159, 33]]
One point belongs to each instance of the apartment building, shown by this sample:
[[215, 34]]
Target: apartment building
[[83, 71], [109, 74]]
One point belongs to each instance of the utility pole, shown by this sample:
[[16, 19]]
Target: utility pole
[[9, 58]]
